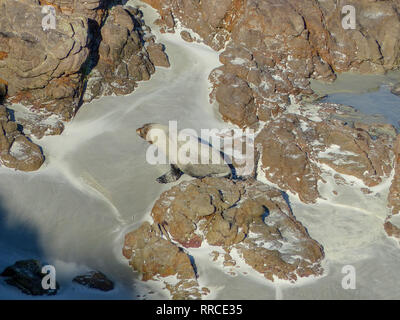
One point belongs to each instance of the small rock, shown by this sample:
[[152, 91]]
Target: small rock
[[396, 89], [394, 194], [157, 55], [391, 229], [95, 280], [186, 36], [27, 276]]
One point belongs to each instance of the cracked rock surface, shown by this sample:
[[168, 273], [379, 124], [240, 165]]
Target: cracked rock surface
[[248, 221], [97, 48]]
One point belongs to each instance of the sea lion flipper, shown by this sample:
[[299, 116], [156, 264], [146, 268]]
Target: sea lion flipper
[[171, 176]]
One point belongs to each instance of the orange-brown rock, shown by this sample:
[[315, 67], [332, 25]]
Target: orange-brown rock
[[154, 257], [48, 70], [122, 58], [392, 230], [97, 48], [247, 217], [183, 214], [38, 60], [186, 36], [40, 124], [285, 159], [157, 55], [396, 89], [208, 18], [3, 90], [16, 151], [268, 224]]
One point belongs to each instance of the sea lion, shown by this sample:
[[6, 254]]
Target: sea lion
[[196, 168]]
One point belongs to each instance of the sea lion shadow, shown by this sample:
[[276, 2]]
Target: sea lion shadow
[[227, 159]]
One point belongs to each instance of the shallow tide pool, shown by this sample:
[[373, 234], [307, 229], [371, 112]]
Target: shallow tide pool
[[369, 94]]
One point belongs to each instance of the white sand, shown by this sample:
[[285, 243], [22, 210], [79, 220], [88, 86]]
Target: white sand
[[96, 185]]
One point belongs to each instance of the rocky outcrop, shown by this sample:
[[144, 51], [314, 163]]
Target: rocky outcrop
[[47, 69], [95, 280], [392, 223], [27, 276], [391, 229], [3, 91], [157, 55], [154, 257], [209, 19], [274, 47], [396, 89], [294, 148], [42, 68], [16, 150], [271, 50], [247, 220], [127, 54], [97, 47], [92, 9]]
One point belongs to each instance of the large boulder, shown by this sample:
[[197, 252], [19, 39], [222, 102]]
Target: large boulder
[[396, 89], [248, 221], [294, 148], [392, 229], [92, 9], [16, 150], [394, 193], [157, 55], [41, 67]]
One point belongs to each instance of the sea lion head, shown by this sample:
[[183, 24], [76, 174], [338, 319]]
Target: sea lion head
[[143, 131]]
